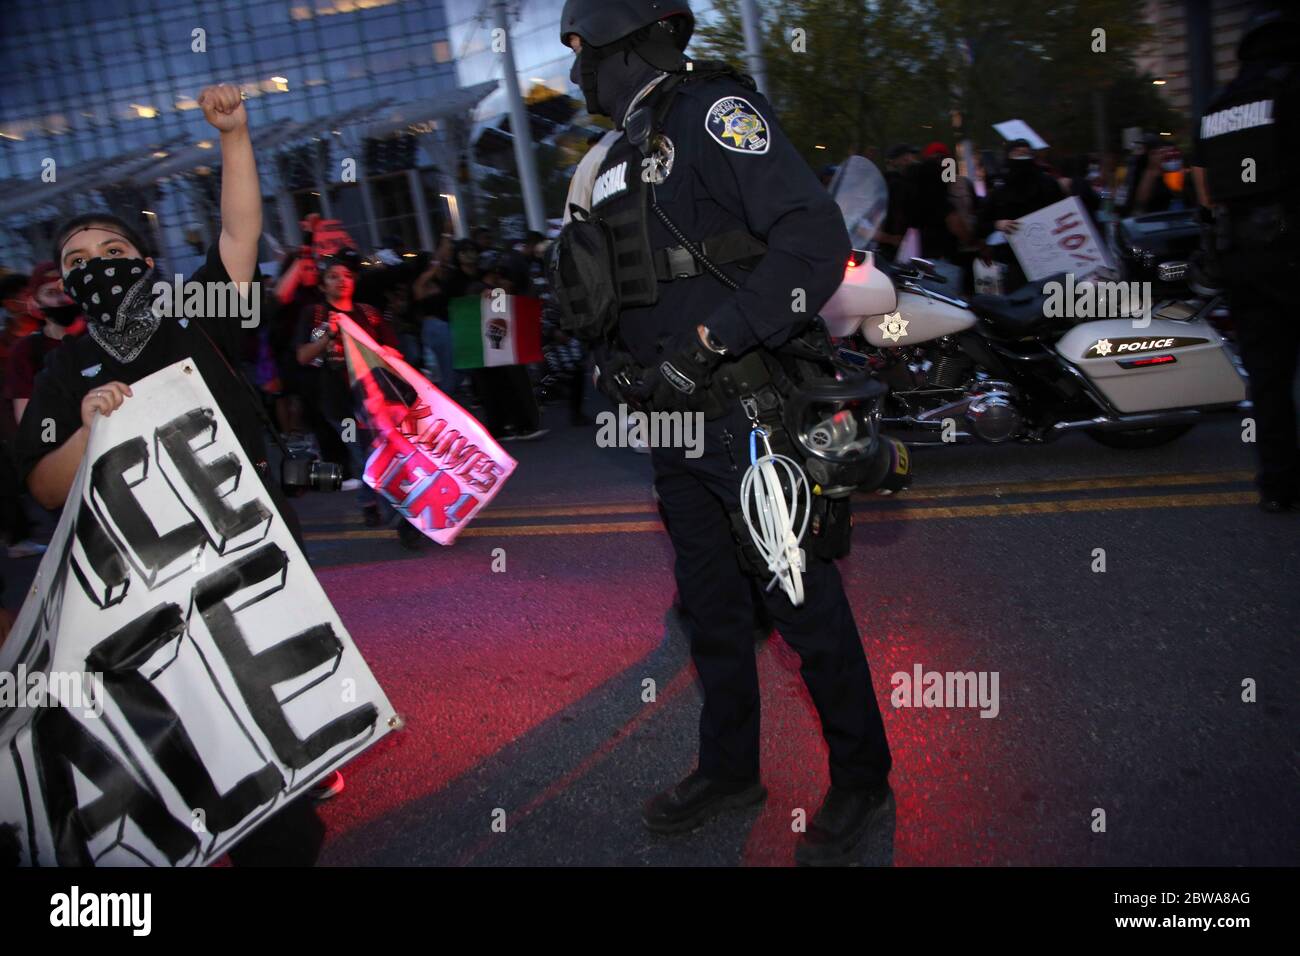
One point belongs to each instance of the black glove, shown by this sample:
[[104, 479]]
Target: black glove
[[620, 379], [681, 380]]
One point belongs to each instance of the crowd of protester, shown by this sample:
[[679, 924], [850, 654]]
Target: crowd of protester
[[294, 355], [936, 214]]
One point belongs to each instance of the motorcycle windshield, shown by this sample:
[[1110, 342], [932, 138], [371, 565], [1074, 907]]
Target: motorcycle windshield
[[863, 197]]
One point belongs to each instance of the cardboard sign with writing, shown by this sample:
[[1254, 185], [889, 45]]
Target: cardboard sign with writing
[[1059, 238], [182, 674]]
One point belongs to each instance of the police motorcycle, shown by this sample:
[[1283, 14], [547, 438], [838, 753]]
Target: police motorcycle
[[1001, 368]]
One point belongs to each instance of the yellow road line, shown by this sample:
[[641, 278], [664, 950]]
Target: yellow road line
[[1076, 484], [916, 494], [1008, 509], [1068, 506]]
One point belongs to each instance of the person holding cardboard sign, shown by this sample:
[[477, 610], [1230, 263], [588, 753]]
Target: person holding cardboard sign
[[108, 269], [1027, 189]]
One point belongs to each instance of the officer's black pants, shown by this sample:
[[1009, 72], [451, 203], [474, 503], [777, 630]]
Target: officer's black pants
[[1268, 333], [718, 606]]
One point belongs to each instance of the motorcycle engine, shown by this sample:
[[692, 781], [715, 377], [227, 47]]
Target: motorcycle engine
[[949, 369], [993, 414]]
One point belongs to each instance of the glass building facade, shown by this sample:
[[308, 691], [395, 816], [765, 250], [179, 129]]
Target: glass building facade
[[98, 111], [106, 90]]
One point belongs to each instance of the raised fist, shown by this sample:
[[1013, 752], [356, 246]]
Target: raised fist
[[223, 107]]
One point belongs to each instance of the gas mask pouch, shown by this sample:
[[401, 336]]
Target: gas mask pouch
[[580, 269]]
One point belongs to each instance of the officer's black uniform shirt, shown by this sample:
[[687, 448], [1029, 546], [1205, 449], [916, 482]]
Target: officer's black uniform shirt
[[721, 180], [81, 365]]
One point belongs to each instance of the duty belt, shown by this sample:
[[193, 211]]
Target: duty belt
[[676, 262]]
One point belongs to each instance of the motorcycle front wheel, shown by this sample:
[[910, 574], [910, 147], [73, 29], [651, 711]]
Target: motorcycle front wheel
[[1138, 437]]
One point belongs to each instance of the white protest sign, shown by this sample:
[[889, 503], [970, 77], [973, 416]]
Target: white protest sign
[[1058, 238], [1019, 129], [196, 677]]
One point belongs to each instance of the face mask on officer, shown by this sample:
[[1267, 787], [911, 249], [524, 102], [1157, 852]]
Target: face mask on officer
[[610, 82], [611, 76]]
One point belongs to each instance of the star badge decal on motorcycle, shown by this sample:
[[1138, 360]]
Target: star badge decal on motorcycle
[[1102, 347], [893, 327]]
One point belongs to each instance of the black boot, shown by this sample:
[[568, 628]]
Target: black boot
[[696, 799], [845, 817]]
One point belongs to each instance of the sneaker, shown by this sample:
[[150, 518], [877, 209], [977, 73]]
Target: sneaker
[[837, 831], [350, 484], [697, 799], [25, 549], [330, 786]]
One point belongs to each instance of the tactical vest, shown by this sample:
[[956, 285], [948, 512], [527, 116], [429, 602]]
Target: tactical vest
[[1241, 140], [621, 198], [603, 263]]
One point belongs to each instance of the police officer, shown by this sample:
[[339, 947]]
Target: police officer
[[702, 165], [1248, 144]]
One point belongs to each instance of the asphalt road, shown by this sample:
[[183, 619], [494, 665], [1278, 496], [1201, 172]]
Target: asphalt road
[[1120, 693]]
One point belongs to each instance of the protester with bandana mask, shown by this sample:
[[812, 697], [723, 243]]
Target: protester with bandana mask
[[108, 271], [1027, 188], [61, 317]]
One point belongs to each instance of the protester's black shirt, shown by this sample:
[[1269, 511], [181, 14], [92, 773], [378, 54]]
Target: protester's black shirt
[[1012, 199], [333, 387], [80, 366]]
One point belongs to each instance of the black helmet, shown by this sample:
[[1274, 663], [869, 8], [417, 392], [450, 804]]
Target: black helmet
[[601, 22]]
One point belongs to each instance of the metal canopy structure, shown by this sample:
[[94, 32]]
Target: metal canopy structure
[[374, 120]]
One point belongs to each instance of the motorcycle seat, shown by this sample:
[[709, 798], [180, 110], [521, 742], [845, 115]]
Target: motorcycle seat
[[1021, 313]]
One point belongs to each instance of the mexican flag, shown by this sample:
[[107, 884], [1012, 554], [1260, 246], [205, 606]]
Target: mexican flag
[[495, 329]]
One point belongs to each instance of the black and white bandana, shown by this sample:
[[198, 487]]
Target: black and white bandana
[[114, 295]]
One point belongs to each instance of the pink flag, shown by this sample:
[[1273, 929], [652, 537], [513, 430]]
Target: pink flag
[[430, 458]]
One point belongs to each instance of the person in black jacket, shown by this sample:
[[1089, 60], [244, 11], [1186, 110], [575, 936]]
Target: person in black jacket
[[723, 172], [1027, 188], [890, 234], [1252, 125]]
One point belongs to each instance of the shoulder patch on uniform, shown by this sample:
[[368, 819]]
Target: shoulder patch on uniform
[[737, 125]]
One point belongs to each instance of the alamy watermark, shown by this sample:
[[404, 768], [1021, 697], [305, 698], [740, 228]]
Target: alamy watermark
[[22, 688], [1099, 300], [629, 428], [212, 300], [946, 689]]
